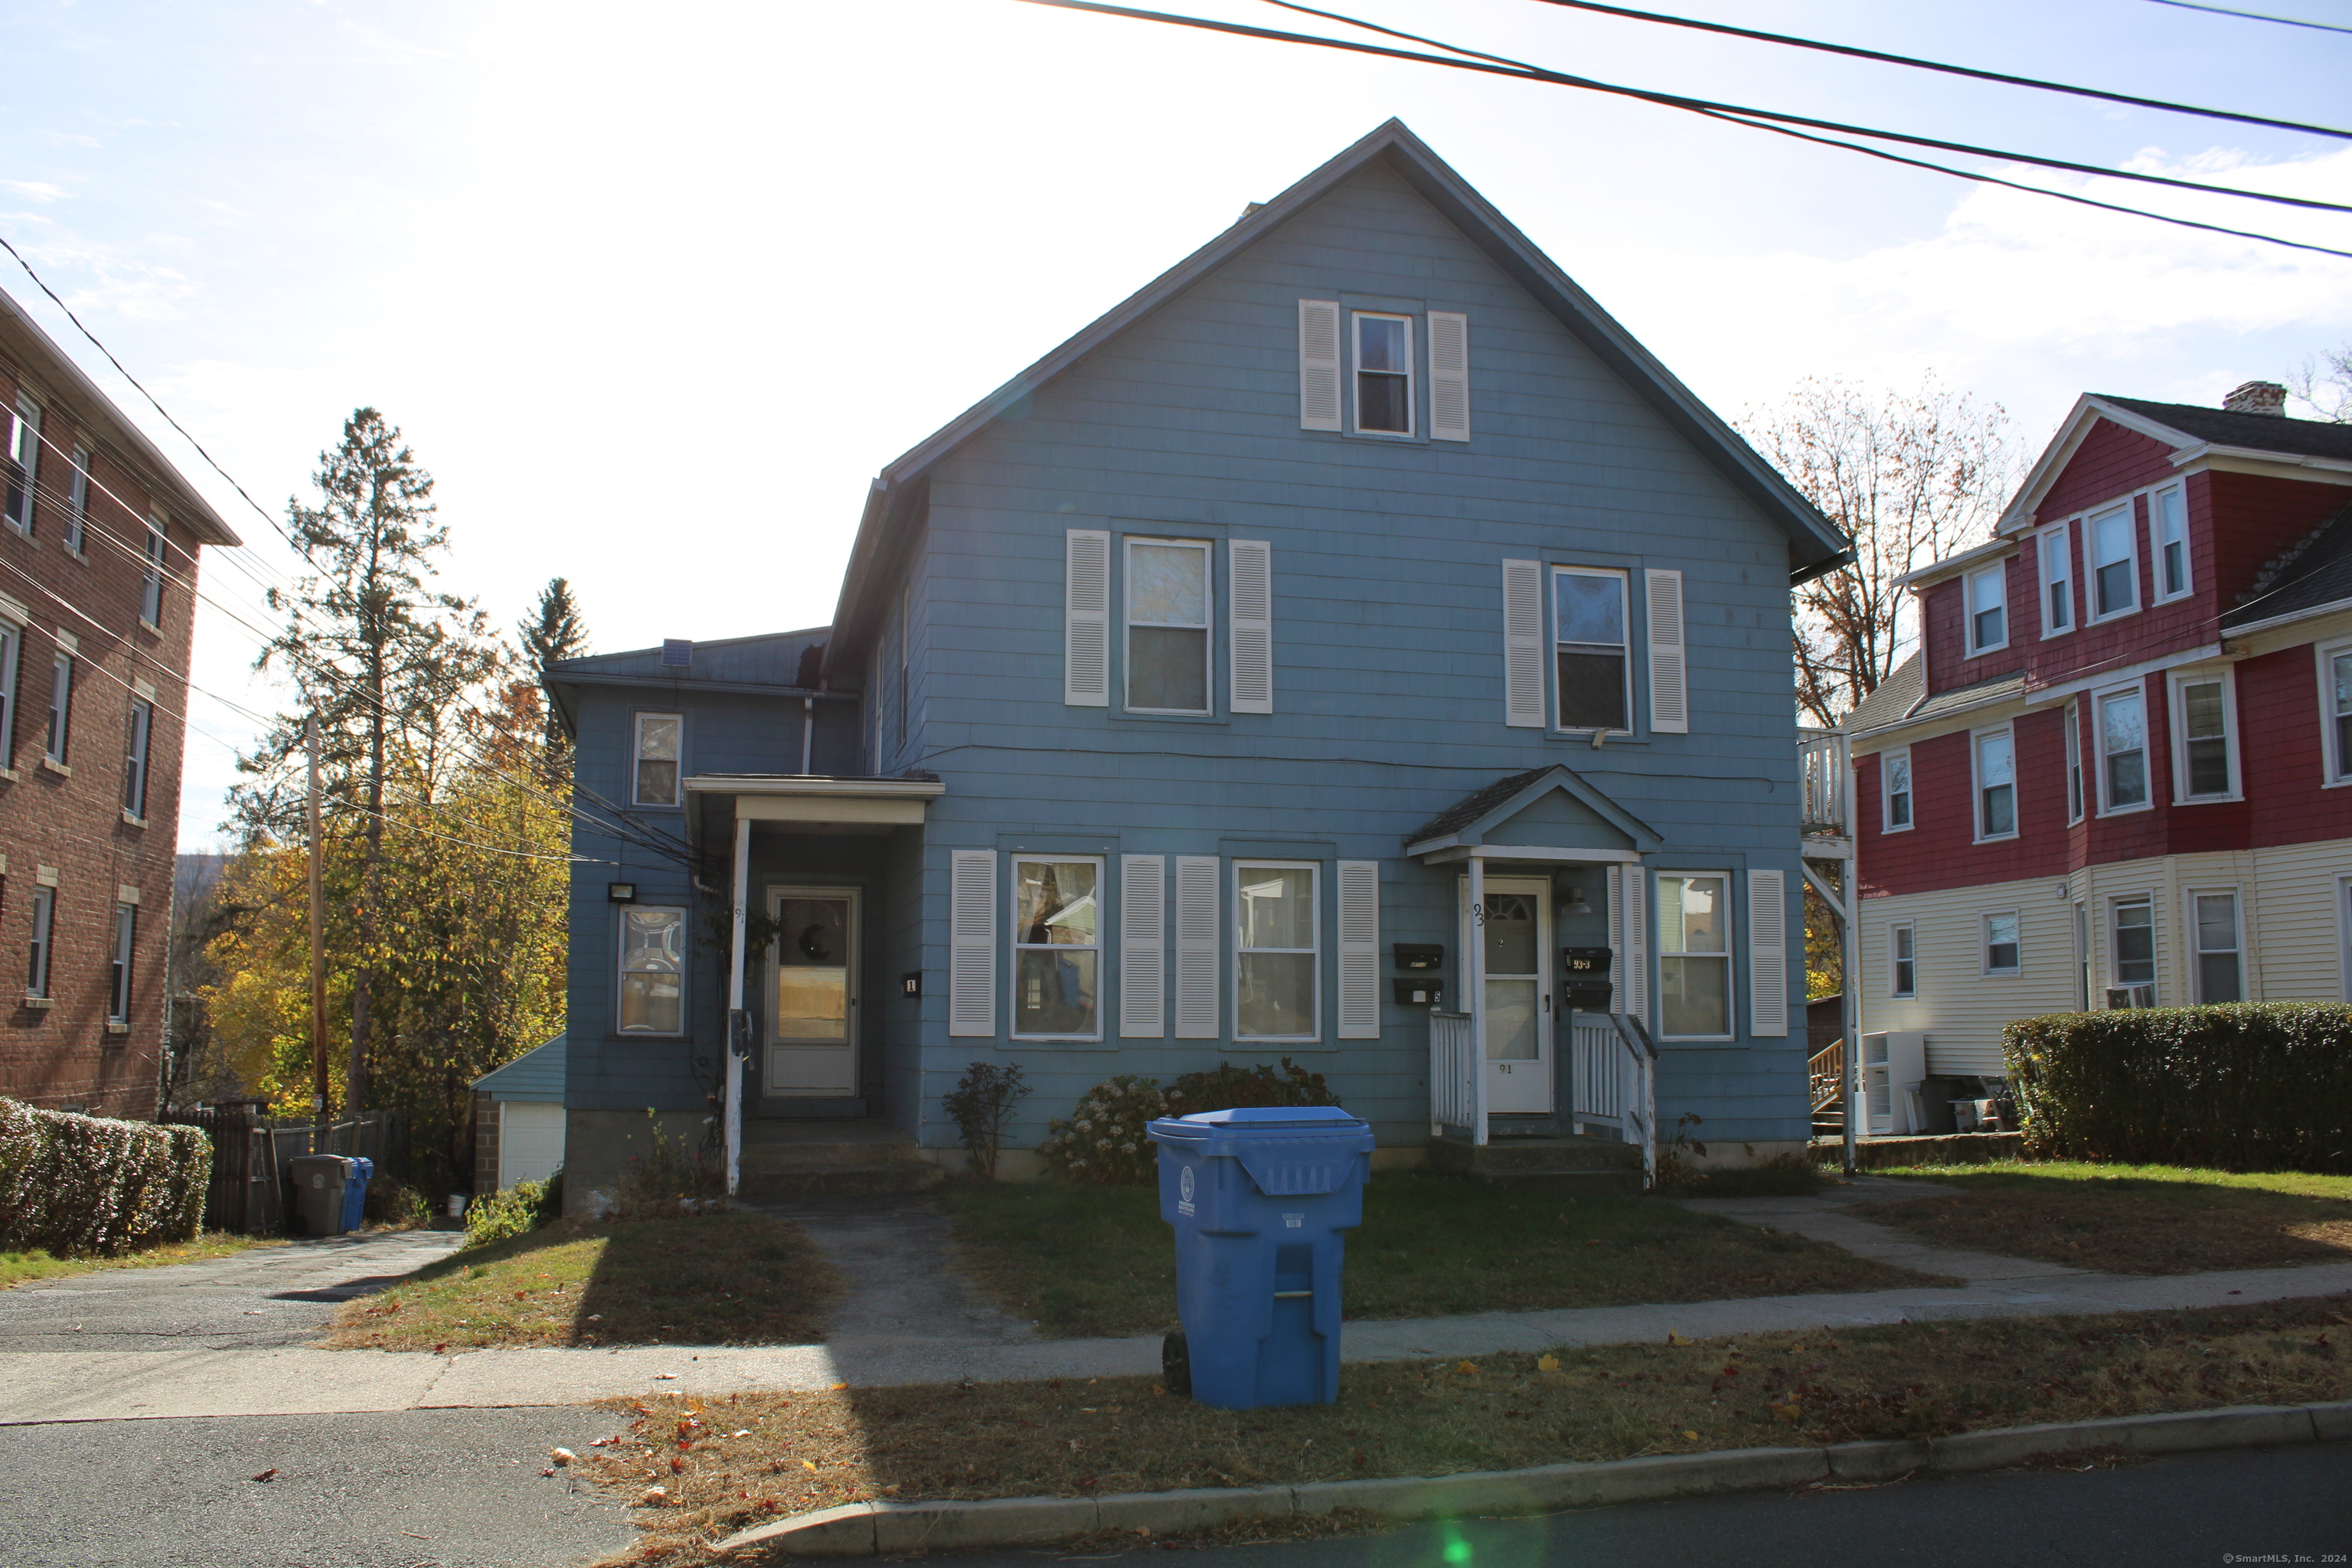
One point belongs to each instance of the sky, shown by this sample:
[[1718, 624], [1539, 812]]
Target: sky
[[655, 291]]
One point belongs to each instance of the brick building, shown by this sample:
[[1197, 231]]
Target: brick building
[[99, 541]]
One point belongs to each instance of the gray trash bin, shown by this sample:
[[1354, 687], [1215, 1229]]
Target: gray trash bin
[[319, 1199]]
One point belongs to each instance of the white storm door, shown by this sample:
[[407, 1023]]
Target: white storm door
[[812, 995], [1517, 936]]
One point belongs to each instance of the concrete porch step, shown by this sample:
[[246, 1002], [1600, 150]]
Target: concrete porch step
[[886, 1178], [1586, 1164], [776, 1147]]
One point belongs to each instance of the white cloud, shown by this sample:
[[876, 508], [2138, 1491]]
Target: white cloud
[[37, 190]]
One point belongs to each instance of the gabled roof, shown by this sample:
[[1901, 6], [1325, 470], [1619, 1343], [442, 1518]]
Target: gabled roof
[[1815, 545], [536, 1075], [2316, 575], [2190, 431], [1469, 819]]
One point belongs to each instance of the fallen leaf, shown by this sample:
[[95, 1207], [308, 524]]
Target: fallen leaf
[[1593, 1241], [1548, 1363], [1466, 1369], [266, 1474], [809, 1465], [440, 1350], [1675, 1338], [562, 1456], [654, 1497], [665, 1377], [839, 1386], [1689, 1436], [547, 1472]]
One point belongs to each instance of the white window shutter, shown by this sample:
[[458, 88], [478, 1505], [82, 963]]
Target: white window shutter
[[1143, 947], [1767, 952], [1522, 682], [1616, 938], [1249, 583], [971, 942], [1086, 655], [1449, 376], [1319, 365], [1196, 947], [1359, 949], [1636, 994], [1669, 670]]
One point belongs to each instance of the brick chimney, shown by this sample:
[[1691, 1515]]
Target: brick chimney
[[2258, 397]]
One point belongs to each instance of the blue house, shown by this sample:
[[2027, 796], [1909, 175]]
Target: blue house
[[1354, 648]]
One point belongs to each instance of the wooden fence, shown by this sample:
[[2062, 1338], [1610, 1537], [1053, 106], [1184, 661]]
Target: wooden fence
[[251, 1155]]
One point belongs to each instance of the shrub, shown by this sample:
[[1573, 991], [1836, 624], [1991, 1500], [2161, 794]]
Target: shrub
[[391, 1201], [1228, 1088], [1103, 1139], [981, 1103], [90, 1185], [670, 1179], [524, 1206], [2244, 1087]]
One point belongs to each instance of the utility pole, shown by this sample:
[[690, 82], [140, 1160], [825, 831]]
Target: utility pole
[[318, 948]]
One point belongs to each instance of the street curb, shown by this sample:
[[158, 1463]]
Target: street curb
[[867, 1529]]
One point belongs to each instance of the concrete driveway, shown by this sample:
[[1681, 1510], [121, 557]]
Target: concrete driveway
[[264, 1298]]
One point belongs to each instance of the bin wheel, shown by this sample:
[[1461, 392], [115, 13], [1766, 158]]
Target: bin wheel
[[1176, 1364]]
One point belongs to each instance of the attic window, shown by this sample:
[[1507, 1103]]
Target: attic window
[[1384, 375], [658, 753]]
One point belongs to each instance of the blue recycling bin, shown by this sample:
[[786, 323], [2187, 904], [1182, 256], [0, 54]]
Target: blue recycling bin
[[355, 1186], [1260, 1198]]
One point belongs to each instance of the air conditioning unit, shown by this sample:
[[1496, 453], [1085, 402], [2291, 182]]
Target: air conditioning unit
[[2131, 996], [1891, 1066]]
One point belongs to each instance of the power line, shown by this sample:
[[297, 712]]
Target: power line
[[2001, 77], [2256, 17], [1536, 74]]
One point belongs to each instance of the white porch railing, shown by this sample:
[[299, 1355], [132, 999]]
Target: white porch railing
[[1613, 1081], [1456, 1086]]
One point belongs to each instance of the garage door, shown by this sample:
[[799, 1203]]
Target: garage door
[[530, 1142]]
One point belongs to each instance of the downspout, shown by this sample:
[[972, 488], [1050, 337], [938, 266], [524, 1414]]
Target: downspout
[[1476, 968], [808, 735], [1849, 954], [734, 1107]]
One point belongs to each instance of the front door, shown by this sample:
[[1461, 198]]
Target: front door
[[1515, 934], [812, 1012]]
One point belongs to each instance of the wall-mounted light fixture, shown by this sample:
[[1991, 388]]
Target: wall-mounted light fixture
[[1574, 904], [911, 983], [621, 892]]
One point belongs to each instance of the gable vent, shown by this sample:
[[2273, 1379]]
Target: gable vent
[[678, 653]]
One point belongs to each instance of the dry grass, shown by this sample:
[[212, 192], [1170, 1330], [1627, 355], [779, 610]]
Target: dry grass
[[24, 1267], [728, 1463], [1081, 1261], [2133, 1219], [726, 1278]]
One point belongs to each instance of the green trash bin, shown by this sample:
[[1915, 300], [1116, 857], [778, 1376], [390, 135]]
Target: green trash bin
[[319, 1203]]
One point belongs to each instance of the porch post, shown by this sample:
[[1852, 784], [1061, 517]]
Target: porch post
[[738, 898], [1473, 966]]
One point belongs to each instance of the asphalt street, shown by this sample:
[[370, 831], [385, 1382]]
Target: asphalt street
[[407, 1489]]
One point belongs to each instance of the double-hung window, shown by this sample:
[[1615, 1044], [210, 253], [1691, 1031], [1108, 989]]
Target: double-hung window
[[1695, 955], [1595, 676], [134, 760], [118, 974], [1894, 790], [1056, 948], [61, 673], [2168, 516], [1277, 967], [24, 463], [2132, 941], [1168, 625], [37, 953], [1383, 373], [2202, 765], [1989, 609], [12, 643], [2335, 708], [2213, 919], [2122, 750], [150, 586], [78, 500], [1996, 782], [2114, 546], [1902, 960], [656, 780], [2074, 763], [2001, 949], [2057, 560], [652, 971]]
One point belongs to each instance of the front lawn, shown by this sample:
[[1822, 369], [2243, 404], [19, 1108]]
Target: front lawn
[[24, 1267], [1085, 1260], [727, 1463], [2132, 1219], [707, 1279]]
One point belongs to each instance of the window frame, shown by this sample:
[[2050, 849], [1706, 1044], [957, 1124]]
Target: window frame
[[12, 647], [25, 416], [1554, 572], [78, 497], [2137, 691], [118, 969], [2055, 553], [1909, 792], [621, 972], [57, 742], [1207, 628], [638, 759], [1356, 372], [2116, 904], [151, 582], [1997, 574], [2076, 800], [1314, 870], [2193, 933], [1985, 965], [2129, 506], [1015, 947], [138, 747], [1896, 962], [1977, 786], [2156, 544], [41, 946], [2178, 684], [1731, 948], [2335, 727]]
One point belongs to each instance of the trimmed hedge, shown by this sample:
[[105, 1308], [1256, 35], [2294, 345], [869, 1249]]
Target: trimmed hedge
[[89, 1185], [2242, 1086]]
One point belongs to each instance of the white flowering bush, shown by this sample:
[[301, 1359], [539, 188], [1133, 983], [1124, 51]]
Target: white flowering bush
[[77, 1185], [1104, 1141]]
